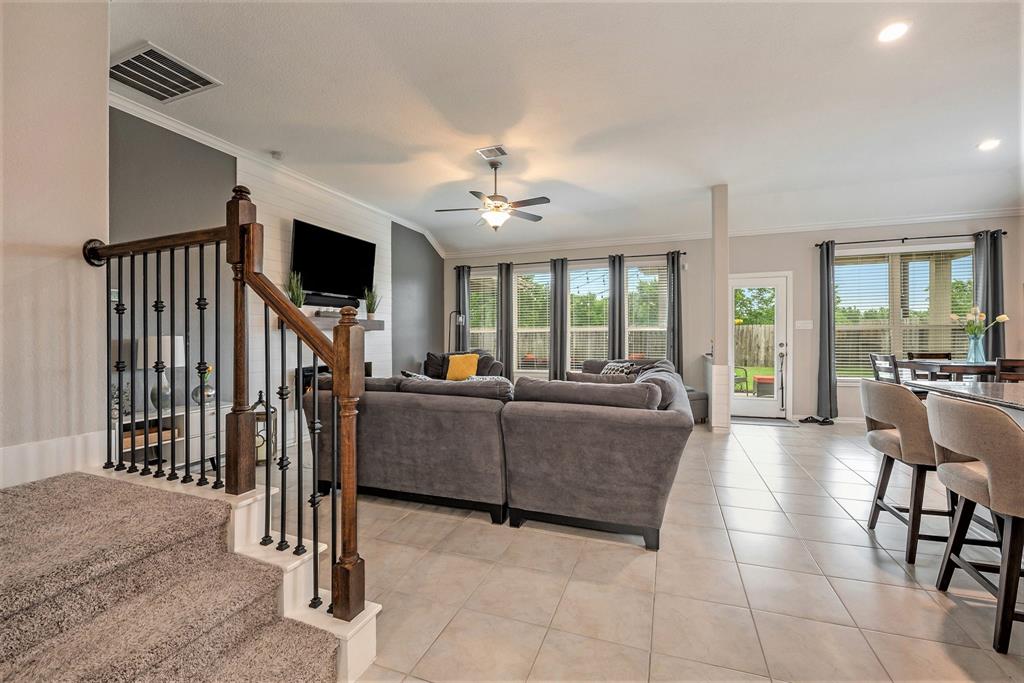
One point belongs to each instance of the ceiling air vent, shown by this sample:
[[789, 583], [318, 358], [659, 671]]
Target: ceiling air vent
[[159, 74], [492, 152]]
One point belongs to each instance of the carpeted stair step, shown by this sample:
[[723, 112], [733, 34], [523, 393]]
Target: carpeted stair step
[[193, 604], [284, 650], [67, 531]]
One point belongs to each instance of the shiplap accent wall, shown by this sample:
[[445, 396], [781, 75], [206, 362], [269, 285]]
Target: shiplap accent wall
[[281, 197]]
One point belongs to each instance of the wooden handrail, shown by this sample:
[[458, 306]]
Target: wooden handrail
[[293, 318], [97, 253]]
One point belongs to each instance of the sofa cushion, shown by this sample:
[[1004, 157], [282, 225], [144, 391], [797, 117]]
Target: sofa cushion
[[595, 365], [436, 364], [495, 388], [598, 379], [669, 382], [461, 366], [382, 383], [643, 396]]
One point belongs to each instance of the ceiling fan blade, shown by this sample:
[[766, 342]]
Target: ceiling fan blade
[[479, 195], [530, 202], [443, 210], [481, 222], [525, 216]]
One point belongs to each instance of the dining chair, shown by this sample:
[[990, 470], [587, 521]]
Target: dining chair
[[930, 355], [897, 424], [885, 368], [979, 450], [1009, 370]]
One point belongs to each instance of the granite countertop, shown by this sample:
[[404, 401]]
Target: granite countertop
[[1002, 394]]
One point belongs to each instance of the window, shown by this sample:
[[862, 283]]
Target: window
[[483, 310], [588, 313], [900, 303], [646, 310], [532, 321]]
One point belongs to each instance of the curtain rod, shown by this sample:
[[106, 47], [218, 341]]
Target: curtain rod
[[906, 239], [574, 260]]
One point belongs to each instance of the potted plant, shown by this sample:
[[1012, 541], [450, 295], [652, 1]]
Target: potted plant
[[974, 325], [372, 302], [294, 289]]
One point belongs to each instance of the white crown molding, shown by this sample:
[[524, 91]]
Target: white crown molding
[[982, 214], [141, 111], [577, 244]]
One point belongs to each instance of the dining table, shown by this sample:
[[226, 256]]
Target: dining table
[[1007, 396], [955, 369]]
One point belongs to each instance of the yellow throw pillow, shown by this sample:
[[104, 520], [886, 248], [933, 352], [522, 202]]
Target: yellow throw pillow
[[462, 366]]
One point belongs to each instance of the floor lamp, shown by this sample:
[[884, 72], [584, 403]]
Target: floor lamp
[[460, 320]]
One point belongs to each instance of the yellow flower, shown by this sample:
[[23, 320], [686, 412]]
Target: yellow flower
[[1002, 318], [739, 321], [981, 316]]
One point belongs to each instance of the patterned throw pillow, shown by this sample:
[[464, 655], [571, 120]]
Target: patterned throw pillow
[[413, 375], [618, 368]]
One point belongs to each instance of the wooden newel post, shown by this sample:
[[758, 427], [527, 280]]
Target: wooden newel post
[[240, 423], [348, 581]]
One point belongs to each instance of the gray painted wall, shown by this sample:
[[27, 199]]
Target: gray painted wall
[[417, 299], [162, 183]]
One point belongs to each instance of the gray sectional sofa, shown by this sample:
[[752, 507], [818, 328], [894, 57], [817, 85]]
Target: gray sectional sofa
[[587, 454]]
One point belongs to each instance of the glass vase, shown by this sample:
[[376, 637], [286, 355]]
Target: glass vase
[[976, 348]]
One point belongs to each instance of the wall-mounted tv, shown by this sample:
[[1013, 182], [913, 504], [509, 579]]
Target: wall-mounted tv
[[335, 268]]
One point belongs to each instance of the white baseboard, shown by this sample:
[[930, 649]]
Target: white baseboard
[[34, 460]]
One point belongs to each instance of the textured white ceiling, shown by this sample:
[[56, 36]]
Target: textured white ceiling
[[623, 114]]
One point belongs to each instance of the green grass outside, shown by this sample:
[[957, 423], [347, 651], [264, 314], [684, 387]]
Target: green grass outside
[[751, 371]]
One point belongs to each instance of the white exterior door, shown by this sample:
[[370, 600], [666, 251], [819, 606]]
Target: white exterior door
[[759, 345]]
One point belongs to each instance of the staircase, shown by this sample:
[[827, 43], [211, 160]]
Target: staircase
[[107, 580]]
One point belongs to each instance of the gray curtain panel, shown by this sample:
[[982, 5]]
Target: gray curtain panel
[[827, 405], [462, 307], [558, 359], [616, 306], [674, 348], [506, 290], [988, 287]]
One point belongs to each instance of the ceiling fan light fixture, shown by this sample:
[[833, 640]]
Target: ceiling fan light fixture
[[495, 218]]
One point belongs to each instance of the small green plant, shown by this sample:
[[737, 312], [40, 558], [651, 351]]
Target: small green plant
[[294, 289], [372, 299]]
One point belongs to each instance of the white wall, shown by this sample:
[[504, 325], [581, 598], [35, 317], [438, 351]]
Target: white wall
[[54, 95], [784, 252], [281, 197]]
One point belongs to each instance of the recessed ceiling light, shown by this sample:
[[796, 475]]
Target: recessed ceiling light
[[989, 145], [893, 31]]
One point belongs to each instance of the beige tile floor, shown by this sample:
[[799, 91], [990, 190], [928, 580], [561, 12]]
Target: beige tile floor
[[766, 570]]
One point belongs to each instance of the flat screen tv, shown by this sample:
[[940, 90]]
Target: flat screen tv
[[335, 268]]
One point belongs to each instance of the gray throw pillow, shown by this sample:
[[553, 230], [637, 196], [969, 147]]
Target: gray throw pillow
[[643, 396], [598, 378], [670, 383]]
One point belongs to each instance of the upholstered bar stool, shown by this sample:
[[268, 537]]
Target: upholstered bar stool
[[980, 454], [898, 428]]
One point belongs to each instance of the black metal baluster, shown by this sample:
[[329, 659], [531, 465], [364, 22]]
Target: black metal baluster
[[134, 353], [145, 367], [187, 476], [159, 367], [172, 473], [267, 442], [218, 483], [282, 462], [314, 496], [300, 548], [120, 309], [202, 366], [334, 485], [109, 377]]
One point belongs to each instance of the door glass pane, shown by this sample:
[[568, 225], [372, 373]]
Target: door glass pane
[[754, 342]]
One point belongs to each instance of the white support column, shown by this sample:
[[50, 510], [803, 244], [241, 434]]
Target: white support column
[[721, 373]]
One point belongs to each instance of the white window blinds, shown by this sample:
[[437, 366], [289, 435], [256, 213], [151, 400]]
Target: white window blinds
[[646, 309], [900, 303], [483, 310], [588, 312], [532, 320]]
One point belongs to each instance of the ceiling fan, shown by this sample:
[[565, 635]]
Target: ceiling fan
[[497, 208]]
